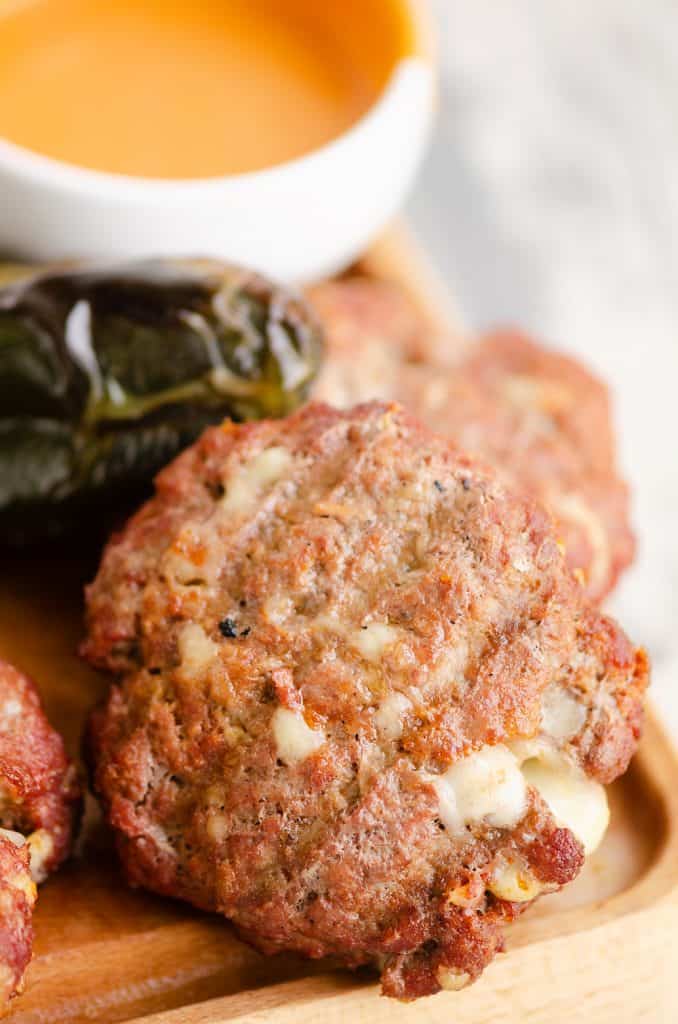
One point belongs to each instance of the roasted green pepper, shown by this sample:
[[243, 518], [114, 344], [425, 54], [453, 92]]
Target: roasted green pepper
[[106, 373]]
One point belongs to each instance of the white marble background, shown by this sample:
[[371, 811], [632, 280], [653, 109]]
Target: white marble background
[[550, 200]]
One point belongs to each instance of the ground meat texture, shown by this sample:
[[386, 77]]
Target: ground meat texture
[[39, 792], [537, 415], [17, 898], [39, 797], [343, 650], [360, 315]]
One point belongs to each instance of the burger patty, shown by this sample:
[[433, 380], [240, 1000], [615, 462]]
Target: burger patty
[[39, 798], [362, 708], [39, 792], [17, 898], [538, 416]]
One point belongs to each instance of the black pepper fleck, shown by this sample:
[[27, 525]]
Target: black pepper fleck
[[438, 486], [227, 628], [246, 631], [466, 483]]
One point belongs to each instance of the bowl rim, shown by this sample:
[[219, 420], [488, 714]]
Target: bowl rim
[[30, 164]]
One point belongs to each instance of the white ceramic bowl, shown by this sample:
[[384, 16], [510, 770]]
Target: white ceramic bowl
[[295, 221]]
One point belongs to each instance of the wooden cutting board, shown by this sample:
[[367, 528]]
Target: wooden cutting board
[[599, 951]]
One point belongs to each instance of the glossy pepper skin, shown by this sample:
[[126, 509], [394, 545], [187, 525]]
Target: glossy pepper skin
[[106, 373]]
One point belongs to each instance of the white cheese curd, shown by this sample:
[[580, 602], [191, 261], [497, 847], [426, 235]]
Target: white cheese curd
[[24, 883], [484, 786], [490, 786], [521, 563], [176, 566], [245, 486], [329, 623], [462, 895], [562, 716], [389, 715], [452, 980], [449, 670], [41, 847], [278, 608], [196, 650], [194, 557], [294, 739], [13, 837], [373, 640], [520, 553], [514, 882], [10, 709], [575, 801]]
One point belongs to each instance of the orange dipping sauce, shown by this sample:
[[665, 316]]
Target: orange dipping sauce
[[190, 89]]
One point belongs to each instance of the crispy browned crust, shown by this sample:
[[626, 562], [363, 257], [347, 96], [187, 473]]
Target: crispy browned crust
[[38, 785], [17, 898], [537, 415], [39, 799], [371, 520]]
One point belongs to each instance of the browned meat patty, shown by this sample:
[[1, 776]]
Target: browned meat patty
[[17, 899], [39, 792], [372, 330], [364, 709], [537, 415], [39, 797]]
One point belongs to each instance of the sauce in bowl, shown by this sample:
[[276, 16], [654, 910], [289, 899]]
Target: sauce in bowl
[[184, 89]]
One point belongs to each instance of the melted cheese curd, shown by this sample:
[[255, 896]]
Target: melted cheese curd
[[246, 486], [40, 842], [491, 786], [294, 738]]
